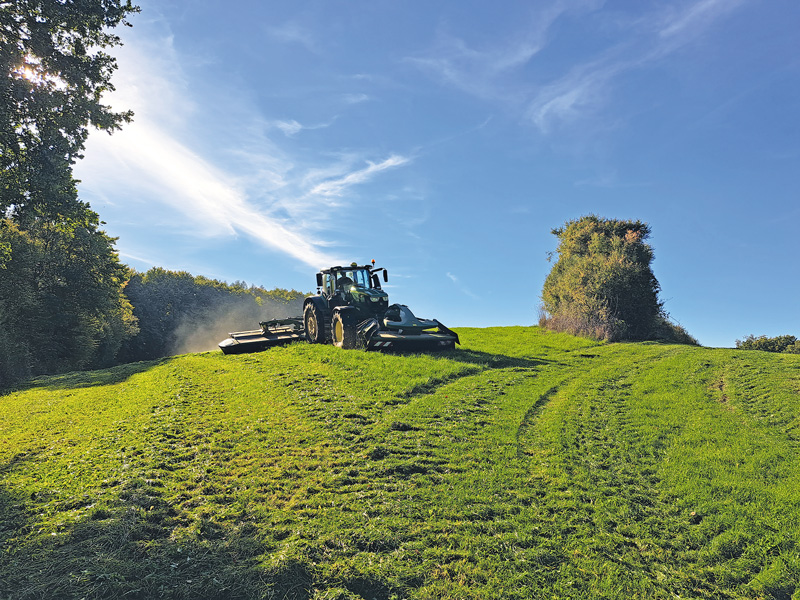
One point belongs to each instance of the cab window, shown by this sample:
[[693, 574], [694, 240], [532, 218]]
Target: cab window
[[360, 278]]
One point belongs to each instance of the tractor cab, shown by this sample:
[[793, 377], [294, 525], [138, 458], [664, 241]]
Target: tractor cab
[[356, 286]]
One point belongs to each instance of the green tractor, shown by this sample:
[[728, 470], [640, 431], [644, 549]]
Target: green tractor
[[350, 310]]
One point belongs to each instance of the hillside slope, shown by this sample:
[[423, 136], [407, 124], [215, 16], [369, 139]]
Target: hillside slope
[[524, 465]]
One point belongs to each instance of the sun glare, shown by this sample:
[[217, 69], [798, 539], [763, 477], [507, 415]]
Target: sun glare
[[28, 73], [31, 70]]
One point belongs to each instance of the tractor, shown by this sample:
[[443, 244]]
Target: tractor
[[350, 310]]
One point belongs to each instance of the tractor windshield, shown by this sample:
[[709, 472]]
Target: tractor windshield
[[351, 278], [359, 277]]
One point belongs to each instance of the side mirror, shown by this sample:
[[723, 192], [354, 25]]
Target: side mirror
[[376, 283], [385, 275], [319, 280]]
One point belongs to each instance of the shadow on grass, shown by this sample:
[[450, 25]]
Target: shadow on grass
[[12, 518], [485, 360], [497, 361], [84, 379]]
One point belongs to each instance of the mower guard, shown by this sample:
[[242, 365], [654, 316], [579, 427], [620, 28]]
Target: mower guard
[[375, 338], [272, 333]]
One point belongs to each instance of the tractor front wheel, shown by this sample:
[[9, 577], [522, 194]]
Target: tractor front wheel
[[344, 330], [314, 323]]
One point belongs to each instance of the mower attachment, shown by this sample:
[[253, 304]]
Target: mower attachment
[[372, 337], [272, 333]]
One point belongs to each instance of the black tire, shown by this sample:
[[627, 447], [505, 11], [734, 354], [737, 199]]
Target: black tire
[[343, 330], [314, 322]]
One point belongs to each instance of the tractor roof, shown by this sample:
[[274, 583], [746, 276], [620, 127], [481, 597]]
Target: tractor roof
[[348, 268]]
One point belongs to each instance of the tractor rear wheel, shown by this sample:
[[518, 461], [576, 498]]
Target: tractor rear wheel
[[314, 322], [344, 330]]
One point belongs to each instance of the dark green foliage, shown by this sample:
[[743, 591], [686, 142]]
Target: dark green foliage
[[61, 302], [179, 312], [782, 343], [602, 285], [61, 305]]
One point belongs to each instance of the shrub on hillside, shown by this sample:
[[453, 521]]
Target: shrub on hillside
[[666, 330], [788, 344], [602, 285]]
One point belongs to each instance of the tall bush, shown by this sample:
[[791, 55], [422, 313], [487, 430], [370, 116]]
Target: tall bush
[[602, 284]]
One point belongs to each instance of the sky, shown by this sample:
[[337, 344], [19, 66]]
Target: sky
[[445, 140]]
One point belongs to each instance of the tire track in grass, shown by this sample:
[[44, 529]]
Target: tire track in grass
[[203, 461], [527, 426], [763, 385], [125, 545], [385, 499], [607, 508], [488, 503]]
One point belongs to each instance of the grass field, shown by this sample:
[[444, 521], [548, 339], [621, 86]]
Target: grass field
[[523, 465]]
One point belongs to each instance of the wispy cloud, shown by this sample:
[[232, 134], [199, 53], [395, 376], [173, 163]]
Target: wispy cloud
[[292, 127], [214, 202], [292, 32], [355, 98], [164, 160], [695, 17], [336, 187], [573, 95], [481, 71], [466, 291], [476, 71], [584, 89], [496, 73]]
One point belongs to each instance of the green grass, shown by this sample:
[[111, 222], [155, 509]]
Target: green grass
[[524, 465]]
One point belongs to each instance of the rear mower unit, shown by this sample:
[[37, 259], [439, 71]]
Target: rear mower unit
[[350, 310], [272, 333]]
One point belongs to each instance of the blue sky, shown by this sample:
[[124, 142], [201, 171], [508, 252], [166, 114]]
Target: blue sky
[[445, 140]]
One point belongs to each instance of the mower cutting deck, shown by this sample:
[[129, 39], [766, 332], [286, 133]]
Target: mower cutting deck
[[272, 333]]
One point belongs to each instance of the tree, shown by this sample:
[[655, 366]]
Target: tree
[[61, 301], [602, 284], [54, 73]]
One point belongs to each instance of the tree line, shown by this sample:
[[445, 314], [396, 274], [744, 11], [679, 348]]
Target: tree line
[[786, 344], [178, 312], [73, 317]]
